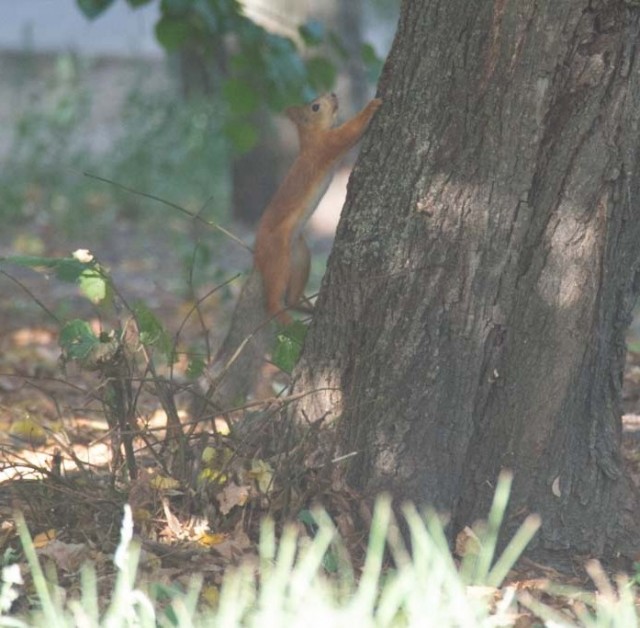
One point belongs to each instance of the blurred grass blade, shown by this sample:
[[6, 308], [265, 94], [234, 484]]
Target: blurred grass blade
[[50, 612], [514, 550]]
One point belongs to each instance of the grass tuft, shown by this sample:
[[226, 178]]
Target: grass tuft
[[290, 586]]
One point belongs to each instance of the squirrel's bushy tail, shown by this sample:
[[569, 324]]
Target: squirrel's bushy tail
[[237, 365]]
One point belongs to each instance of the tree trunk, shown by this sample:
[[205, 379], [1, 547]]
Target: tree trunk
[[473, 313]]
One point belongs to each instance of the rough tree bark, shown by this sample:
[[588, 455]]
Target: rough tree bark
[[473, 313]]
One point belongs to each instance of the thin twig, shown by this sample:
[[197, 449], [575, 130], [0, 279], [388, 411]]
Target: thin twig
[[271, 401], [164, 201], [33, 296], [197, 303]]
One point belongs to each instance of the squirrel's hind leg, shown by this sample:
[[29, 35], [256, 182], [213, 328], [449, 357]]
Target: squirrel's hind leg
[[276, 279]]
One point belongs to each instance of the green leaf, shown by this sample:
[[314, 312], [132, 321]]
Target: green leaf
[[93, 8], [210, 18], [138, 3], [249, 33], [372, 62], [152, 333], [70, 269], [37, 263], [305, 517], [368, 53], [285, 73], [242, 134], [322, 73], [289, 345], [91, 278], [312, 32], [165, 594], [240, 97], [174, 8], [94, 285], [229, 9], [337, 46], [195, 368], [77, 339], [245, 61], [330, 561], [279, 44], [171, 33]]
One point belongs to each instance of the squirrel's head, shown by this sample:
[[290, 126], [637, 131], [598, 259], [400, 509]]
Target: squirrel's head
[[319, 114]]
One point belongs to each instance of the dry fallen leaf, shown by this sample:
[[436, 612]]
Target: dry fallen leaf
[[7, 532], [67, 556], [44, 538], [231, 496], [141, 494], [467, 542], [209, 540], [485, 594], [173, 523], [230, 549]]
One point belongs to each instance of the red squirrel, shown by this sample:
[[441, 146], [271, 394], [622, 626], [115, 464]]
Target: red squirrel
[[281, 256]]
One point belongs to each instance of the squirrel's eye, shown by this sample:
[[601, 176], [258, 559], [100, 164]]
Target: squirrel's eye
[[315, 107]]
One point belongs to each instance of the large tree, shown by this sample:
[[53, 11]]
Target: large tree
[[473, 313]]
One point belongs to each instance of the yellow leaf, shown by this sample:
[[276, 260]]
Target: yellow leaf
[[140, 515], [222, 427], [209, 540], [211, 476], [28, 429], [44, 538], [217, 457], [208, 454], [262, 472], [216, 464], [164, 483], [210, 595]]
